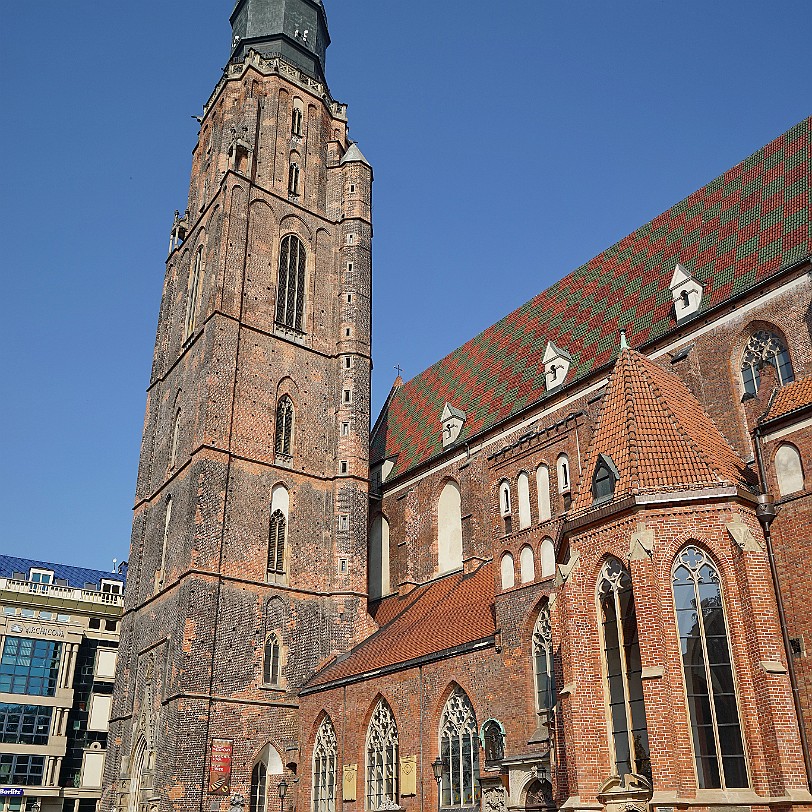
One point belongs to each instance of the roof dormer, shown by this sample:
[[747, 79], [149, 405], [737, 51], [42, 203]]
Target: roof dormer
[[452, 420], [686, 293], [557, 363]]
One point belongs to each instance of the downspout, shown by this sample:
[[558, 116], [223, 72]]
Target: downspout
[[422, 798], [766, 513]]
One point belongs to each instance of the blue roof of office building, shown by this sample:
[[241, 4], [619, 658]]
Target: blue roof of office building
[[76, 577]]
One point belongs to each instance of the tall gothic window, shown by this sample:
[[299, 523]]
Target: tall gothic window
[[325, 757], [284, 425], [291, 289], [270, 665], [193, 294], [293, 179], [296, 122], [459, 751], [259, 787], [382, 759], [765, 348], [543, 663], [173, 449], [276, 542], [709, 683], [624, 686]]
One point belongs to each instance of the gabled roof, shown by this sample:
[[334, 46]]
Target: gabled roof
[[790, 398], [658, 436], [434, 617], [76, 577], [735, 232]]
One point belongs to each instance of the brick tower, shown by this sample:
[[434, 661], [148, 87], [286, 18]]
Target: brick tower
[[248, 558]]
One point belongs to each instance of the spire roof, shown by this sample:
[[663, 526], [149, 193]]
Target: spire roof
[[354, 154], [658, 436]]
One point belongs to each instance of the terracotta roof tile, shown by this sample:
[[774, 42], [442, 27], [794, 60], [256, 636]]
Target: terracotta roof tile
[[658, 435], [788, 398], [732, 234], [434, 617]]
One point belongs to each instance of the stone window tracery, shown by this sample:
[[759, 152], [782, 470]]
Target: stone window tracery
[[382, 759], [290, 292], [459, 752], [193, 295], [765, 347], [284, 426], [325, 757], [623, 671], [543, 663], [708, 671], [270, 664], [276, 542]]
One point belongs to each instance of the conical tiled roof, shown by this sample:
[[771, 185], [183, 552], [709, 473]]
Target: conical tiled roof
[[658, 436]]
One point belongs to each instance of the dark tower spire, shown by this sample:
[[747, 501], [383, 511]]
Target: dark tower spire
[[296, 30]]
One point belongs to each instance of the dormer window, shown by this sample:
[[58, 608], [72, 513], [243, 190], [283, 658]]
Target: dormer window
[[557, 363], [686, 293], [38, 576], [111, 587], [452, 420], [604, 479]]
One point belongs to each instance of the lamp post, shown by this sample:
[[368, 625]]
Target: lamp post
[[283, 791], [437, 769]]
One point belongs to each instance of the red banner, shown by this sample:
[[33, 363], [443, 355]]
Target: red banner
[[220, 767]]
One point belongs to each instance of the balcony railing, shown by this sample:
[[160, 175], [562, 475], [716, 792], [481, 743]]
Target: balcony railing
[[67, 593]]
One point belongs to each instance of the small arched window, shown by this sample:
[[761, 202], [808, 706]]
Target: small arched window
[[459, 751], [449, 528], [325, 758], [379, 576], [259, 787], [623, 670], [193, 294], [789, 470], [765, 347], [278, 529], [547, 558], [290, 293], [527, 564], [284, 426], [543, 492], [506, 507], [562, 466], [293, 179], [270, 665], [543, 664], [296, 122], [524, 500], [382, 759], [508, 571], [709, 680]]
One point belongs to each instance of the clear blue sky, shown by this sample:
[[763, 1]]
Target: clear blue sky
[[511, 141]]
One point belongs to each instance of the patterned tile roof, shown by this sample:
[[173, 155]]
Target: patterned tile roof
[[732, 234], [76, 577], [789, 398], [658, 435], [434, 617]]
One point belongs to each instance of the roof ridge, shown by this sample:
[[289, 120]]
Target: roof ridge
[[631, 424]]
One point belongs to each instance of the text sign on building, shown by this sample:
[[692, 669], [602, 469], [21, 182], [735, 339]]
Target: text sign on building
[[35, 630], [220, 767], [13, 791]]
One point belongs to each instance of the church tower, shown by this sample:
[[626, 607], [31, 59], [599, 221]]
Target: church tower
[[248, 557]]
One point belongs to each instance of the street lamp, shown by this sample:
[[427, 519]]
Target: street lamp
[[283, 791], [437, 769]]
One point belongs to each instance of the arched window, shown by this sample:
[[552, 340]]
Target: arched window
[[267, 764], [765, 348], [789, 470], [160, 575], [284, 425], [293, 179], [506, 506], [173, 448], [524, 501], [543, 492], [547, 558], [278, 529], [137, 767], [562, 466], [449, 528], [296, 122], [508, 571], [624, 686], [325, 758], [382, 759], [527, 564], [543, 664], [493, 741], [709, 683], [291, 289], [270, 665], [379, 558], [459, 751], [193, 294]]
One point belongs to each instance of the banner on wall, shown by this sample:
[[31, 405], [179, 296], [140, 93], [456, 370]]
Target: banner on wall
[[220, 767]]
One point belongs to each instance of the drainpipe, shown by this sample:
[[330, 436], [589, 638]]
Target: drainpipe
[[766, 513]]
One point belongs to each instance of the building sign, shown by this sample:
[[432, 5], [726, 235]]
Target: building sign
[[35, 630], [12, 791], [220, 767]]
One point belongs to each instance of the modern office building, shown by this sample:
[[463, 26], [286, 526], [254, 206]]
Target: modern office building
[[59, 630]]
